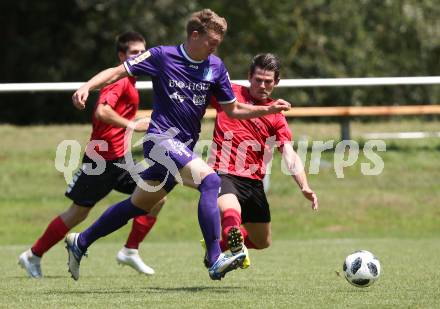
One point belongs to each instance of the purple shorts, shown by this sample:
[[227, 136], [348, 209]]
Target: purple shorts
[[165, 156]]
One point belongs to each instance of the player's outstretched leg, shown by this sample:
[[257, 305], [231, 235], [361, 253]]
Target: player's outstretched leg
[[209, 220], [209, 215], [31, 263], [111, 220], [30, 260], [234, 236]]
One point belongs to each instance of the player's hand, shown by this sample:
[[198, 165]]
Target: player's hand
[[279, 106], [311, 196], [79, 98], [142, 124]]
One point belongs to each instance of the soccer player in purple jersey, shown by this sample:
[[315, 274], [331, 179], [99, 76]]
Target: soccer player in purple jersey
[[184, 79]]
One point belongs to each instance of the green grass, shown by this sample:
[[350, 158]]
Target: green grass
[[394, 214], [291, 274]]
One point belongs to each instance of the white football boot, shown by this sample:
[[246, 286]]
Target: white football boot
[[74, 254], [31, 263], [224, 264], [130, 257]]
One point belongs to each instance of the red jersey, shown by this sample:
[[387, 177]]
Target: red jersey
[[244, 147], [123, 97]]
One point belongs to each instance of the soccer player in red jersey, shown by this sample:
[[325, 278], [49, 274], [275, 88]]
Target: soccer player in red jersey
[[241, 150], [114, 111]]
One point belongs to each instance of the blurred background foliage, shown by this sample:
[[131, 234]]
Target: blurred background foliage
[[70, 40]]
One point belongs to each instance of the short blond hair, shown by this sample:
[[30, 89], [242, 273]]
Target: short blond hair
[[206, 20]]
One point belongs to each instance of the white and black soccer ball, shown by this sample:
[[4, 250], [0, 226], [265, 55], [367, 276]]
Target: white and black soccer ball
[[361, 268]]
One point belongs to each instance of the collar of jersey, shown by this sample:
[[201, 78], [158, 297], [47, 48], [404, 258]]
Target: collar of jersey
[[182, 49]]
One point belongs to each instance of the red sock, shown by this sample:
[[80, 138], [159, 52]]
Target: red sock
[[55, 231], [140, 228], [231, 217], [247, 242], [223, 245]]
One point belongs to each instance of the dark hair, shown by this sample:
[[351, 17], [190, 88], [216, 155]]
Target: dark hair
[[125, 38], [205, 20], [268, 62]]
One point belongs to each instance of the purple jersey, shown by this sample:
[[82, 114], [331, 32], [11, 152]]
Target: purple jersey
[[182, 88]]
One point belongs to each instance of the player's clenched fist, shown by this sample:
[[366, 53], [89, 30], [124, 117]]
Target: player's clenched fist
[[79, 98]]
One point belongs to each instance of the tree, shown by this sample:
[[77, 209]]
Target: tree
[[71, 40]]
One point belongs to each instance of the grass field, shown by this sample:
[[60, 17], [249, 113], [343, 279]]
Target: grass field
[[395, 214], [291, 274]]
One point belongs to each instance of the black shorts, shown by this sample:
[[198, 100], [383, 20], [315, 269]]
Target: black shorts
[[86, 190], [250, 195]]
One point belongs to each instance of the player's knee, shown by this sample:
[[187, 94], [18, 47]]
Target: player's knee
[[74, 215], [81, 213], [210, 182]]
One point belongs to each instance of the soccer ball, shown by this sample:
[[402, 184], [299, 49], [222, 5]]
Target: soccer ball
[[361, 268]]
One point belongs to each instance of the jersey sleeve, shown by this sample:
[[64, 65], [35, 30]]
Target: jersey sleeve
[[282, 131], [223, 89], [147, 63], [110, 94]]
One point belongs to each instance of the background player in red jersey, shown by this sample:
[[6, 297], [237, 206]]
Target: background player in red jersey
[[242, 149], [114, 111]]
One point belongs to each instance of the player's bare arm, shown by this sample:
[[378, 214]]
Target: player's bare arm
[[246, 111], [108, 115], [296, 168], [101, 79]]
